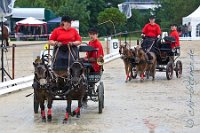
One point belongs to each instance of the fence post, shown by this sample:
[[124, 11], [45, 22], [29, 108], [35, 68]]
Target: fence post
[[13, 61], [137, 42], [120, 38], [107, 49], [130, 39]]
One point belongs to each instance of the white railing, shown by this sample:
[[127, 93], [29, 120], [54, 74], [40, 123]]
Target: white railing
[[24, 82]]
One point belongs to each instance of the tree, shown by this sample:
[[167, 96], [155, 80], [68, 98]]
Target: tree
[[32, 3], [172, 11], [114, 16], [77, 10], [95, 7]]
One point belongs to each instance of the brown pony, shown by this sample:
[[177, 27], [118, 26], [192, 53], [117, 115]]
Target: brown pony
[[143, 66], [77, 90], [127, 54], [5, 34], [42, 77]]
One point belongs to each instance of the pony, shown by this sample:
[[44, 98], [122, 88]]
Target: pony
[[77, 91], [40, 85], [5, 35], [128, 56], [142, 64]]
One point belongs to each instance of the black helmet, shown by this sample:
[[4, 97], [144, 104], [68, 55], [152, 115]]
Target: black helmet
[[173, 24], [151, 17], [66, 19], [93, 30]]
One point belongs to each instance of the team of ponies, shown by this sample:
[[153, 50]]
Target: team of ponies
[[136, 62], [48, 84]]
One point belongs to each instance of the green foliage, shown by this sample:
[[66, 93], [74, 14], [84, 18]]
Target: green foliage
[[112, 15], [95, 7], [172, 11], [78, 11]]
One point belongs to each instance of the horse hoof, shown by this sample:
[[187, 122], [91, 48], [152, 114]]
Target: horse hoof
[[73, 113], [78, 116], [49, 118], [65, 121], [43, 119]]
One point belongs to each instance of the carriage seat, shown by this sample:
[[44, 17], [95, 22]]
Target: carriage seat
[[86, 49], [169, 39]]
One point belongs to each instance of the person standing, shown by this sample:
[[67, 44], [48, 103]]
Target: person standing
[[189, 29]]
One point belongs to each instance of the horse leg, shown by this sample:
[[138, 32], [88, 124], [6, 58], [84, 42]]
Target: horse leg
[[126, 69], [68, 111], [42, 107], [49, 105], [154, 70], [77, 110], [7, 43]]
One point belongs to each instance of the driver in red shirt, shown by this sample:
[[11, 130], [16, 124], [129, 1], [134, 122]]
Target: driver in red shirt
[[65, 39], [151, 29], [65, 34], [150, 32]]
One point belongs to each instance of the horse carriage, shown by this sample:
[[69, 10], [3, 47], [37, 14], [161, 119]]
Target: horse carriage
[[74, 82], [164, 58]]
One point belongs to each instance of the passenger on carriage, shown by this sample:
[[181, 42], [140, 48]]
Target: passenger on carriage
[[174, 34], [151, 32], [65, 36], [95, 55]]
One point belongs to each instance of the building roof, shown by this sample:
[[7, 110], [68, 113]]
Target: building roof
[[38, 13]]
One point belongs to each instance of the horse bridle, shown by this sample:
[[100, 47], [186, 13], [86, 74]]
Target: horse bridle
[[80, 78]]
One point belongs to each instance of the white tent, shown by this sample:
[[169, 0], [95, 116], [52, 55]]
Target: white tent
[[30, 21], [194, 19]]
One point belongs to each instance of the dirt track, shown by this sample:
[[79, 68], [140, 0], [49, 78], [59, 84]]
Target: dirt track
[[133, 107]]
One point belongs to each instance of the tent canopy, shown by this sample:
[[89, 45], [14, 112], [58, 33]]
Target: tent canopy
[[194, 19], [30, 21]]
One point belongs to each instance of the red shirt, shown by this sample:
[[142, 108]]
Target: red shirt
[[97, 45], [175, 34], [151, 30], [65, 36]]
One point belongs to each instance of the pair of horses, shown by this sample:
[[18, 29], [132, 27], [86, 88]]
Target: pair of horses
[[4, 34], [47, 85], [136, 62]]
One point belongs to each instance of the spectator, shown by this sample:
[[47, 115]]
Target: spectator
[[189, 29]]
